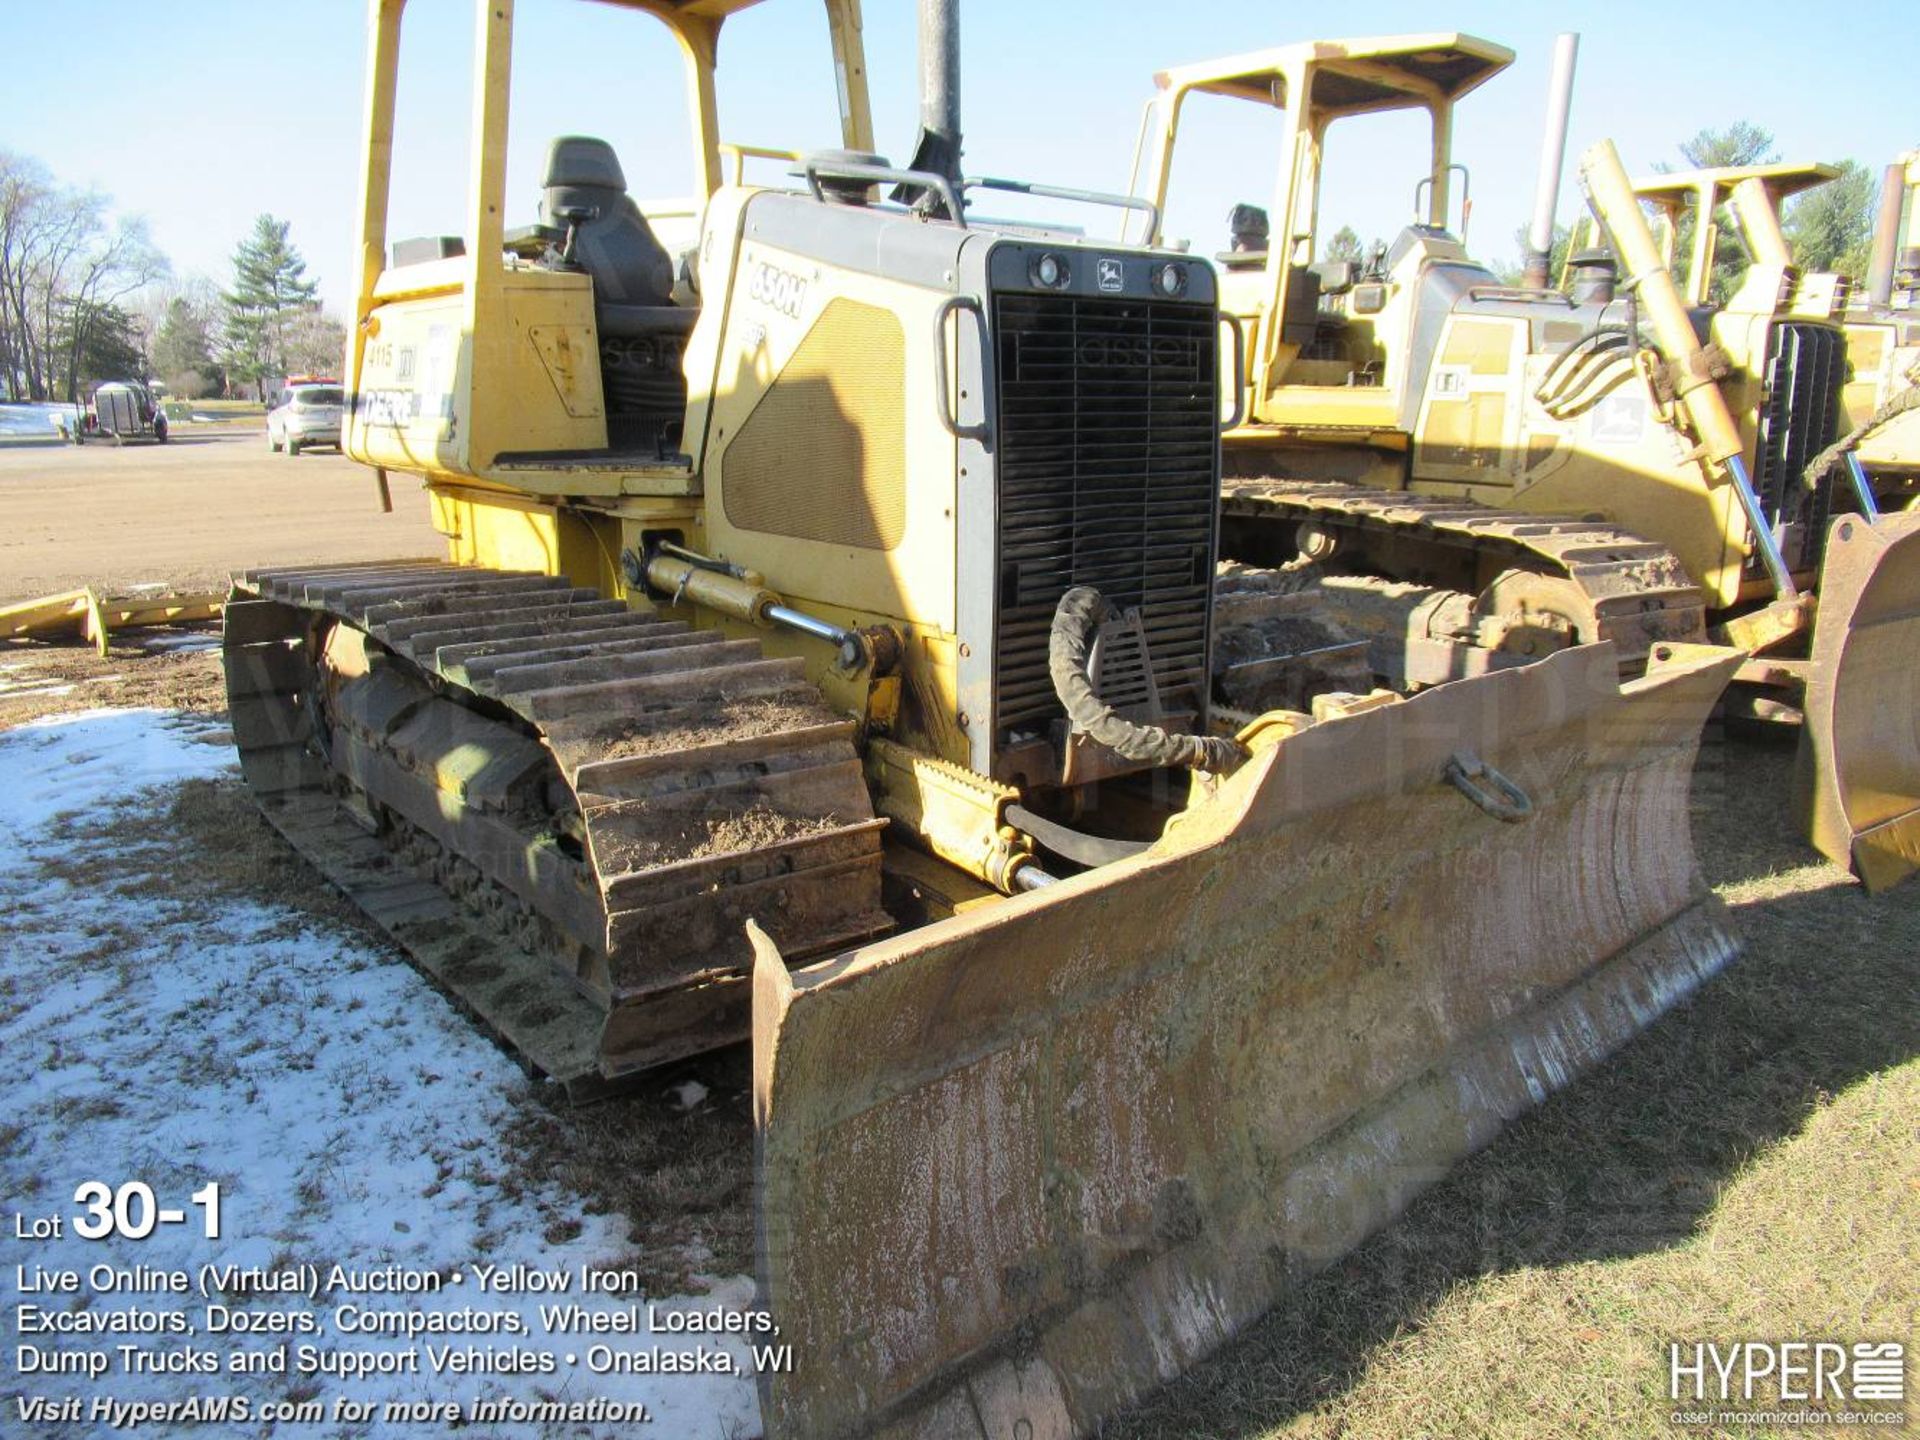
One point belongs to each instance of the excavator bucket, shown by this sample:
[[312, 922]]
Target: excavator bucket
[[1025, 1165], [1860, 751]]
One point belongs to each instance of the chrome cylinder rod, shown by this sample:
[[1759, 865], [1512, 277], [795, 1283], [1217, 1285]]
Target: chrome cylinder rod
[[1763, 536]]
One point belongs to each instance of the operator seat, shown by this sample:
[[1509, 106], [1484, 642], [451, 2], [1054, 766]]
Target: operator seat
[[586, 191], [642, 332]]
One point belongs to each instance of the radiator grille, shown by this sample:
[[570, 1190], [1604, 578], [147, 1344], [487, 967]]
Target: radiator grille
[[1107, 444], [1806, 366]]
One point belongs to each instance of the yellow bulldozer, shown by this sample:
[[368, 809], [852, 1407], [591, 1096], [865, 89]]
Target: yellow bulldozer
[[1883, 340], [1467, 474], [821, 655], [1879, 403]]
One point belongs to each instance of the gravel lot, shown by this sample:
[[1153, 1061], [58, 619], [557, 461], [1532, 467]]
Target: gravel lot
[[189, 512]]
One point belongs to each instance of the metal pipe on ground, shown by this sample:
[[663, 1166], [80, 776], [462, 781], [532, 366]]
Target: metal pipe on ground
[[1553, 158]]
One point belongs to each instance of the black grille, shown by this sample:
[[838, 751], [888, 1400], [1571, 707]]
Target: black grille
[[1107, 445], [1806, 366]]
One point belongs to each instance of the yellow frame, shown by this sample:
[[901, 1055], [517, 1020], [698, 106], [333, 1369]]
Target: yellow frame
[[480, 280], [1283, 77], [1756, 191]]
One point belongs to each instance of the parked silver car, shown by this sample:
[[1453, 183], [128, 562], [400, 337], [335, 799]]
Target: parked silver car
[[306, 414]]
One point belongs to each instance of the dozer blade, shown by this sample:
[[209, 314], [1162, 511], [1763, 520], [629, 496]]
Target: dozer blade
[[1023, 1166], [1860, 751]]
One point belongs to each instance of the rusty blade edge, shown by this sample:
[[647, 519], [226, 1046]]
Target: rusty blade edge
[[954, 1049], [1858, 776]]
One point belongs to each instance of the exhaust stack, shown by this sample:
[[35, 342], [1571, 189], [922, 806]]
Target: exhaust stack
[[1553, 156], [938, 149], [1886, 234]]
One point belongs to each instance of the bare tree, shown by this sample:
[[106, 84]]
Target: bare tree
[[316, 343], [63, 267]]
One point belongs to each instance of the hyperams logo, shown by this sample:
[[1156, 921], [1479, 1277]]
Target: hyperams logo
[[1790, 1382]]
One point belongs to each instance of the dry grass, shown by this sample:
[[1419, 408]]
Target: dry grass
[[1748, 1169]]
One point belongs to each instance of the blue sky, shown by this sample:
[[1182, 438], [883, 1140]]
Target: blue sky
[[203, 114]]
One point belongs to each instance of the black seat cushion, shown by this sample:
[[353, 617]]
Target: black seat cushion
[[1302, 319], [614, 244]]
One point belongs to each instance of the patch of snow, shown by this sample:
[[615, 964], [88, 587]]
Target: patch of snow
[[689, 1093], [36, 418], [181, 641], [74, 763], [21, 689], [349, 1114]]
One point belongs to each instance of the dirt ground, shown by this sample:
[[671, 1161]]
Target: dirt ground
[[1749, 1168], [188, 513], [673, 1156]]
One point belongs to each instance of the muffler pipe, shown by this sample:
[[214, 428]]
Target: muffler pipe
[[938, 149], [1886, 234], [1553, 159]]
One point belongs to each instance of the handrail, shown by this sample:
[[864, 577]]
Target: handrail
[[1069, 192], [1233, 323], [1421, 187], [740, 154], [982, 432], [815, 166]]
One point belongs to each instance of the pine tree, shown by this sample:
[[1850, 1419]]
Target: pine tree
[[102, 342], [1741, 143], [1345, 245], [183, 350], [1831, 226], [269, 288]]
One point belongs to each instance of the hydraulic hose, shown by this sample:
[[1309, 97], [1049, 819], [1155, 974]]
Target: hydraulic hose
[[1583, 384], [1835, 454], [1570, 351], [1075, 621]]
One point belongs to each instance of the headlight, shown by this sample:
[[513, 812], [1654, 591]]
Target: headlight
[[1171, 279], [1049, 271]]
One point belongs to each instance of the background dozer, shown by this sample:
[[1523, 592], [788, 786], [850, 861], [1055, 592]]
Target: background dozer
[[1880, 408], [1883, 340], [1467, 474], [822, 650]]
